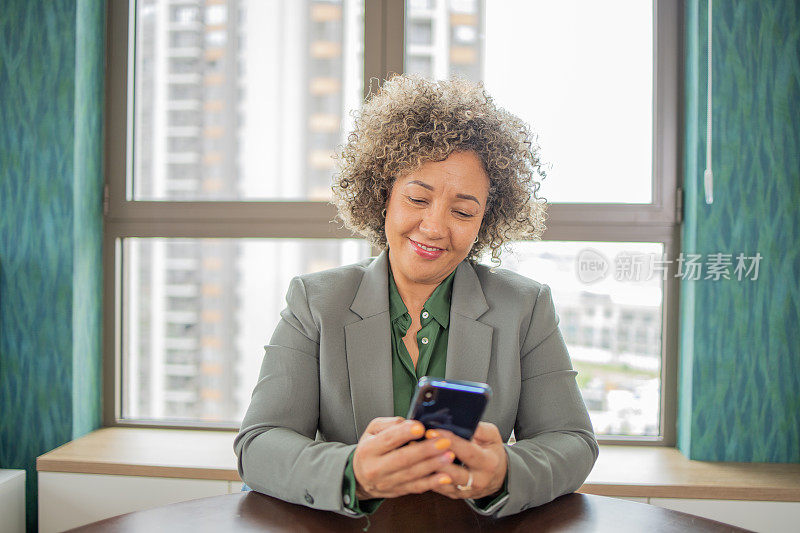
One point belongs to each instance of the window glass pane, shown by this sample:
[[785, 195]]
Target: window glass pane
[[197, 313], [579, 72], [243, 99], [608, 297]]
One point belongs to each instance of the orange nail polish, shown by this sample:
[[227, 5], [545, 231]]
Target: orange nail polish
[[431, 434], [442, 444], [451, 456], [445, 480], [417, 430]]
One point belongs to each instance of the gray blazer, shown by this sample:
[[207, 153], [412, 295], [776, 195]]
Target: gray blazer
[[327, 373]]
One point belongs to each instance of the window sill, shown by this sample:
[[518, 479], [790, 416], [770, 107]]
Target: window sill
[[621, 471]]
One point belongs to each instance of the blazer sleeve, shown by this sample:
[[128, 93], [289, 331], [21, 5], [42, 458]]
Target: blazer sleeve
[[276, 448], [556, 447]]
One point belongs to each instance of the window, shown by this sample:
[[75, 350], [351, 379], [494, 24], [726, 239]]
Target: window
[[197, 313], [222, 121], [597, 83], [218, 179]]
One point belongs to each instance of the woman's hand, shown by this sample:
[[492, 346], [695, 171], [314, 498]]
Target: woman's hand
[[384, 468], [484, 457]]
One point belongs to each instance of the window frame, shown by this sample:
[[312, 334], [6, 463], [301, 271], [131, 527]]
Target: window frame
[[384, 36]]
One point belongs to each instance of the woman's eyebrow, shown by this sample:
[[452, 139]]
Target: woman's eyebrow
[[421, 184], [430, 188], [468, 197]]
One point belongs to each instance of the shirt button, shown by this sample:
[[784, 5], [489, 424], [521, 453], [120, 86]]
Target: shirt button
[[309, 498], [346, 499], [424, 314], [424, 340]]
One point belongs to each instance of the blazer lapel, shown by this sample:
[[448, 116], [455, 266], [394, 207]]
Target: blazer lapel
[[368, 343], [469, 342]]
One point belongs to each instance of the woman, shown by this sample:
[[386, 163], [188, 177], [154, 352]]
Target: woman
[[434, 174]]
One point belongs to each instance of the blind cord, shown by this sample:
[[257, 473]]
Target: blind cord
[[708, 176]]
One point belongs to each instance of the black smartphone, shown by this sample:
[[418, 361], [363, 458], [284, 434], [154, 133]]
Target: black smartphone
[[453, 405]]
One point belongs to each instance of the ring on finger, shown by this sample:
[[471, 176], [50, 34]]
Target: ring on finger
[[468, 486]]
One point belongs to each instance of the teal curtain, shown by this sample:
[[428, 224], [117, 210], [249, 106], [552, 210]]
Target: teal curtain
[[51, 98], [739, 394]]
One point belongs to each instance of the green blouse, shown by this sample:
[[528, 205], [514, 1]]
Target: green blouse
[[432, 344], [431, 341]]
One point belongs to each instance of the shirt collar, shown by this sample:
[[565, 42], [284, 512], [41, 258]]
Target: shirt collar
[[437, 304], [396, 306]]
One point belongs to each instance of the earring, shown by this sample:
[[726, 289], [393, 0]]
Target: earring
[[476, 240], [383, 213]]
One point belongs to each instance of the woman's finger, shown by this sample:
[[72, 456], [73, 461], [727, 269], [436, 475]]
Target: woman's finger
[[421, 469], [487, 433], [410, 455], [392, 437], [382, 422], [420, 485], [468, 452], [460, 476]]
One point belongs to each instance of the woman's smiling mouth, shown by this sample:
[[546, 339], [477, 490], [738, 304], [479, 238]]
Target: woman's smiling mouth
[[428, 252]]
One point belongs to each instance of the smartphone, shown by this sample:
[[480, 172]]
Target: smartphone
[[453, 405]]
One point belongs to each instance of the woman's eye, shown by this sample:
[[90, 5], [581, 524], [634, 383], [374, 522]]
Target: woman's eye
[[416, 200], [463, 214]]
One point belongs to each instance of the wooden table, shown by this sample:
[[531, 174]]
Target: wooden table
[[252, 511]]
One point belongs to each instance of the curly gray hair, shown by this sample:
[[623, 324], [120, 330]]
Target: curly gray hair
[[412, 120]]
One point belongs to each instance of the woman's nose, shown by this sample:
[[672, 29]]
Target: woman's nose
[[433, 223]]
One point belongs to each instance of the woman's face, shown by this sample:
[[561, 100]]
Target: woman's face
[[433, 216]]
